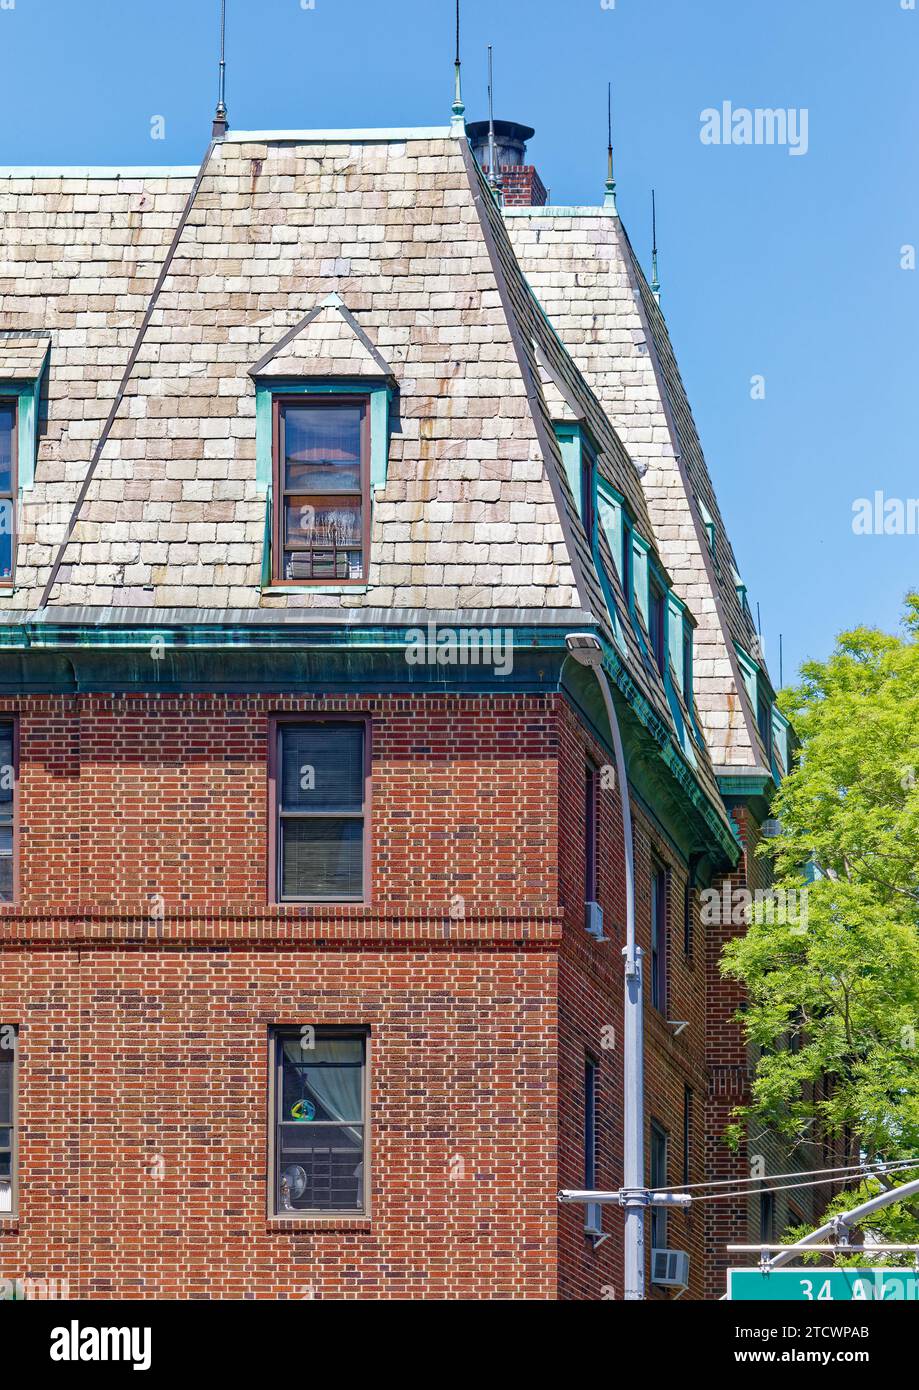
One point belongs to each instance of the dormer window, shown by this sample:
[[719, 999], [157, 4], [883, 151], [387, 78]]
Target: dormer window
[[657, 625], [8, 427], [321, 490]]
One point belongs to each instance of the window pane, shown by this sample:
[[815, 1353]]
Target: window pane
[[6, 863], [330, 524], [6, 538], [322, 767], [322, 858], [7, 425], [6, 1091], [322, 448], [320, 1167], [6, 768], [316, 1088]]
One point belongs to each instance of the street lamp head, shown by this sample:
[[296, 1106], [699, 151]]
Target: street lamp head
[[585, 648]]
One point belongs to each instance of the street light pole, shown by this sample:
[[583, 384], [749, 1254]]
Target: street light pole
[[584, 648]]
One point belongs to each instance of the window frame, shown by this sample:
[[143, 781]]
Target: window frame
[[276, 724], [764, 720], [13, 720], [688, 644], [659, 1222], [689, 923], [688, 1107], [13, 495], [659, 923], [628, 565], [13, 1212], [278, 1031], [280, 401], [591, 1081], [588, 492], [591, 830], [657, 623]]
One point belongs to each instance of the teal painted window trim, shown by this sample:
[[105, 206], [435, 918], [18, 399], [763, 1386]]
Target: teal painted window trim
[[709, 524], [750, 672], [781, 735], [380, 396], [759, 692], [571, 442], [640, 573], [28, 401]]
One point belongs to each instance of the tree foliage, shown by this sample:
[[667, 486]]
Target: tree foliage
[[837, 1001]]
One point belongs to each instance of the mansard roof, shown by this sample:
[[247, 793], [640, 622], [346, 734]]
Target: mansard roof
[[376, 256], [583, 269]]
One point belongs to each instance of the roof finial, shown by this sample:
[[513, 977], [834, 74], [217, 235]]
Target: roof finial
[[458, 123], [610, 200], [493, 178], [219, 129], [655, 280]]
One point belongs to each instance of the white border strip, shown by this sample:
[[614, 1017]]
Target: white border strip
[[321, 137], [73, 171]]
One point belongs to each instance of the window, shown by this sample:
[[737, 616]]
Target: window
[[322, 490], [588, 464], [591, 781], [687, 919], [7, 1119], [767, 1217], [590, 1124], [657, 625], [320, 783], [687, 666], [8, 460], [658, 1180], [659, 939], [764, 723], [687, 1131], [628, 572], [318, 1126], [7, 807]]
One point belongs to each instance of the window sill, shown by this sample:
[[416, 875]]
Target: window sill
[[319, 1223], [314, 589], [9, 1224]]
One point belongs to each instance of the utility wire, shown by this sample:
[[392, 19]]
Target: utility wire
[[748, 1192], [895, 1166]]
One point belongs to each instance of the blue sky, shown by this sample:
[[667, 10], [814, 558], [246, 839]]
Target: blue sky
[[774, 265]]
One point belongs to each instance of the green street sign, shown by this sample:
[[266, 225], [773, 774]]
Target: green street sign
[[789, 1285]]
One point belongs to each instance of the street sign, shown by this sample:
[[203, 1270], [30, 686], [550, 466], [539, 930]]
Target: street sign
[[790, 1285]]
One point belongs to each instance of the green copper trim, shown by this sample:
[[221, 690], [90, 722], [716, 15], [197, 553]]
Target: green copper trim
[[28, 399], [725, 834]]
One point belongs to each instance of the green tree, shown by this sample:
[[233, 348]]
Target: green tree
[[839, 997]]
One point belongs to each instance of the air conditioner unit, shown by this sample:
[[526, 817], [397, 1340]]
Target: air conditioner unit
[[593, 1218], [593, 920], [670, 1268]]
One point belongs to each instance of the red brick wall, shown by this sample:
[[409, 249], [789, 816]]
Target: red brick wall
[[144, 1133], [144, 1034], [590, 1021]]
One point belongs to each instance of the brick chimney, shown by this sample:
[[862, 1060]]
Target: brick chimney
[[521, 185]]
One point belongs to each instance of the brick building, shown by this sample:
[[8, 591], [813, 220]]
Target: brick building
[[309, 812]]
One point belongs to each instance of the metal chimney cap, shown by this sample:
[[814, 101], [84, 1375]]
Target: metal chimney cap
[[504, 130]]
